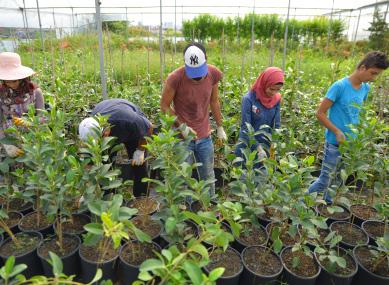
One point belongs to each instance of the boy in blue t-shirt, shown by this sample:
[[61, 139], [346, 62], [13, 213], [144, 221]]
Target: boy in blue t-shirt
[[342, 101]]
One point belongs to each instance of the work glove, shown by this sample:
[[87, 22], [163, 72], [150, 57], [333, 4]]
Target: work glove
[[20, 122], [12, 150], [221, 134], [186, 130], [138, 158], [261, 153]]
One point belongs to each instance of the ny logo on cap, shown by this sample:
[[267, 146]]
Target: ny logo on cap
[[194, 60]]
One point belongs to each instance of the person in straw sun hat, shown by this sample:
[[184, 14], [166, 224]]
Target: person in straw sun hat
[[17, 92]]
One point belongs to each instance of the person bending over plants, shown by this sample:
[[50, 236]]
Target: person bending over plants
[[343, 101], [17, 93], [261, 109], [130, 126]]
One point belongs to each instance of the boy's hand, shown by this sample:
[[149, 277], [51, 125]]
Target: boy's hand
[[340, 137]]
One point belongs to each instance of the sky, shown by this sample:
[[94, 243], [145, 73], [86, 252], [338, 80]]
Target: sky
[[146, 12]]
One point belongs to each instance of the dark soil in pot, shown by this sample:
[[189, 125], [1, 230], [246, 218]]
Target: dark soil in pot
[[270, 215], [362, 213], [307, 266], [30, 223], [285, 237], [352, 235], [229, 259], [13, 221], [25, 253], [146, 224], [250, 235], [68, 254], [145, 205], [374, 229], [337, 216], [18, 205], [135, 252], [27, 240], [261, 260], [368, 260], [93, 254], [197, 206], [75, 224], [70, 244]]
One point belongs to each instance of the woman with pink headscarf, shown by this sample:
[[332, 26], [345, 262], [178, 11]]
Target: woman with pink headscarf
[[261, 109]]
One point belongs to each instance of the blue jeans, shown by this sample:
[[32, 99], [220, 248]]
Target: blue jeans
[[202, 150], [329, 166]]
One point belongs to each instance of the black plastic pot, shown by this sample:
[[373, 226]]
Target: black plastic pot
[[330, 220], [128, 273], [229, 280], [328, 278], [364, 276], [240, 245], [71, 261], [372, 238], [250, 277], [293, 279], [89, 268], [29, 258], [358, 220], [45, 231], [348, 245]]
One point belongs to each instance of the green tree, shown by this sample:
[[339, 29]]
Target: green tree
[[379, 32]]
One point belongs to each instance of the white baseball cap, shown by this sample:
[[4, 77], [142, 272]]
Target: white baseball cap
[[88, 127], [195, 62]]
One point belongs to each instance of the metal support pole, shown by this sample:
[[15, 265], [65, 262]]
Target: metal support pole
[[101, 49], [285, 37], [73, 19], [329, 26], [175, 28], [54, 23], [252, 43], [237, 28], [386, 12], [348, 25], [127, 26], [160, 42], [356, 30], [40, 25]]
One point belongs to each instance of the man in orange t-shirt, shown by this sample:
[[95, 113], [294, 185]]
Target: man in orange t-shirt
[[188, 93]]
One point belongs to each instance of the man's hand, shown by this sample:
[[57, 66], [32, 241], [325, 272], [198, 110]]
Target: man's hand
[[340, 137], [261, 153], [221, 134], [12, 150], [138, 158]]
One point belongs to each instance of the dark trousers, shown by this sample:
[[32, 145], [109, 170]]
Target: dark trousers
[[139, 171]]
